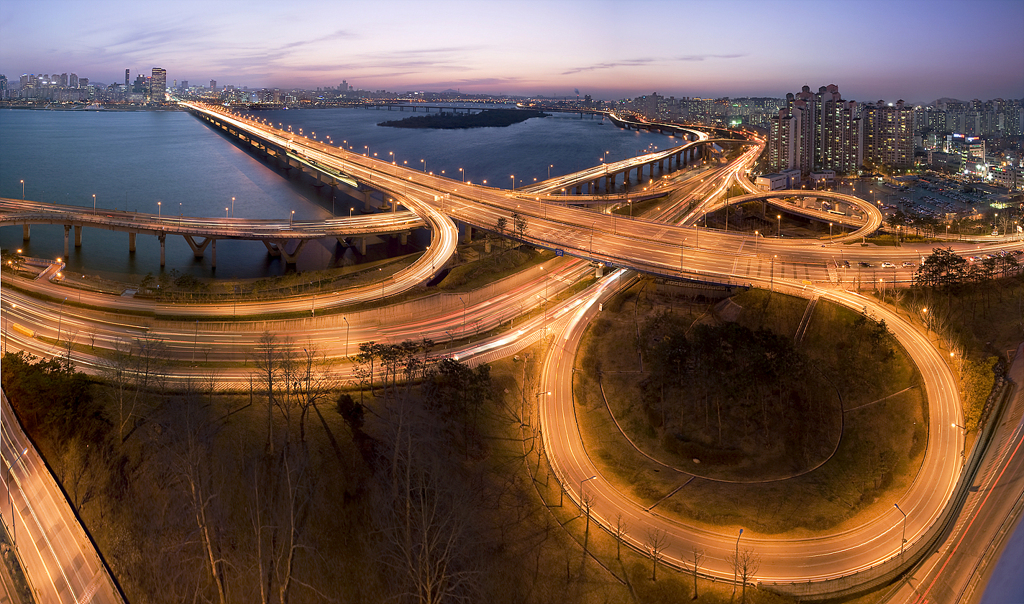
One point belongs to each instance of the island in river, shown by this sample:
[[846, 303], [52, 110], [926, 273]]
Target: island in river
[[452, 121]]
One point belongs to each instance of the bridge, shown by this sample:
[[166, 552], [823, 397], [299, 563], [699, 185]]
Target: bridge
[[276, 235]]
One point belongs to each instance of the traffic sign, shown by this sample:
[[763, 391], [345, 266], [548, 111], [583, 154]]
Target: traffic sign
[[559, 252]]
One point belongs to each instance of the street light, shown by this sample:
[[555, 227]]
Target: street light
[[232, 206], [60, 319], [159, 212], [347, 328], [581, 489], [424, 162], [463, 175], [225, 212], [736, 564], [513, 177], [779, 232], [291, 218], [14, 528], [830, 232], [94, 206], [549, 171], [350, 212], [903, 540]]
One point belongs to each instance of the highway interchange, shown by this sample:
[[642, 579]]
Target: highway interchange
[[667, 244]]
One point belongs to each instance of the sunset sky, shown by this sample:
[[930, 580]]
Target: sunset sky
[[873, 49]]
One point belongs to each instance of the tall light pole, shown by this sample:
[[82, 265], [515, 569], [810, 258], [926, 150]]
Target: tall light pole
[[581, 489], [94, 206], [14, 529], [513, 177], [23, 190], [291, 218], [225, 212], [463, 175], [778, 233], [463, 316], [232, 206], [159, 211], [424, 162], [350, 212], [903, 540], [830, 232], [347, 328], [60, 319], [549, 171], [736, 565]]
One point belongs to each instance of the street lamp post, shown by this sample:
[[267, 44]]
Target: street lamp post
[[424, 162], [14, 529], [60, 319], [350, 212], [735, 565], [347, 328], [778, 233], [830, 232], [225, 212], [159, 210], [291, 218], [233, 206], [513, 177], [549, 172], [903, 539], [463, 316], [94, 205], [581, 489]]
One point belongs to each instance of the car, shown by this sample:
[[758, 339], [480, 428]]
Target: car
[[865, 264], [908, 264], [888, 265], [846, 264]]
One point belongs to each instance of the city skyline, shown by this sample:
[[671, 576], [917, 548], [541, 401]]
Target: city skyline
[[916, 51]]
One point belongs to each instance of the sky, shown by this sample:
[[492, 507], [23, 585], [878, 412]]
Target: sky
[[872, 49]]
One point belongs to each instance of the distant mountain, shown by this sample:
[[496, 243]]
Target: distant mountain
[[946, 100]]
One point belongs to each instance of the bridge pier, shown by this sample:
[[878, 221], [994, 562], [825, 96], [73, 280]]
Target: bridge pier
[[362, 246], [25, 232], [213, 263], [78, 235], [131, 242], [403, 238], [67, 227], [465, 233], [162, 237], [197, 249]]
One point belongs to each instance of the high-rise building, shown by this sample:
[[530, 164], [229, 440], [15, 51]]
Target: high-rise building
[[213, 85], [158, 86], [73, 82], [4, 91], [815, 131], [888, 134], [127, 76], [184, 85]]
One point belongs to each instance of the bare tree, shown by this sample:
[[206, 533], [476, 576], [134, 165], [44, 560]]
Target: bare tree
[[423, 519], [698, 557], [191, 433], [745, 564], [621, 527], [315, 383], [267, 359], [656, 541]]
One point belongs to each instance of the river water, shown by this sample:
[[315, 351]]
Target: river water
[[133, 160]]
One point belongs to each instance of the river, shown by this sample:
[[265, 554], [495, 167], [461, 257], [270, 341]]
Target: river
[[133, 160]]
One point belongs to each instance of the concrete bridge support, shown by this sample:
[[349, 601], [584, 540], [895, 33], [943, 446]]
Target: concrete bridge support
[[78, 235], [403, 238], [131, 242], [163, 238], [466, 232], [362, 246], [67, 227], [277, 248], [213, 263], [198, 249], [26, 231]]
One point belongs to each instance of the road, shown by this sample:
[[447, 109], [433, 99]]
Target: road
[[59, 560]]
